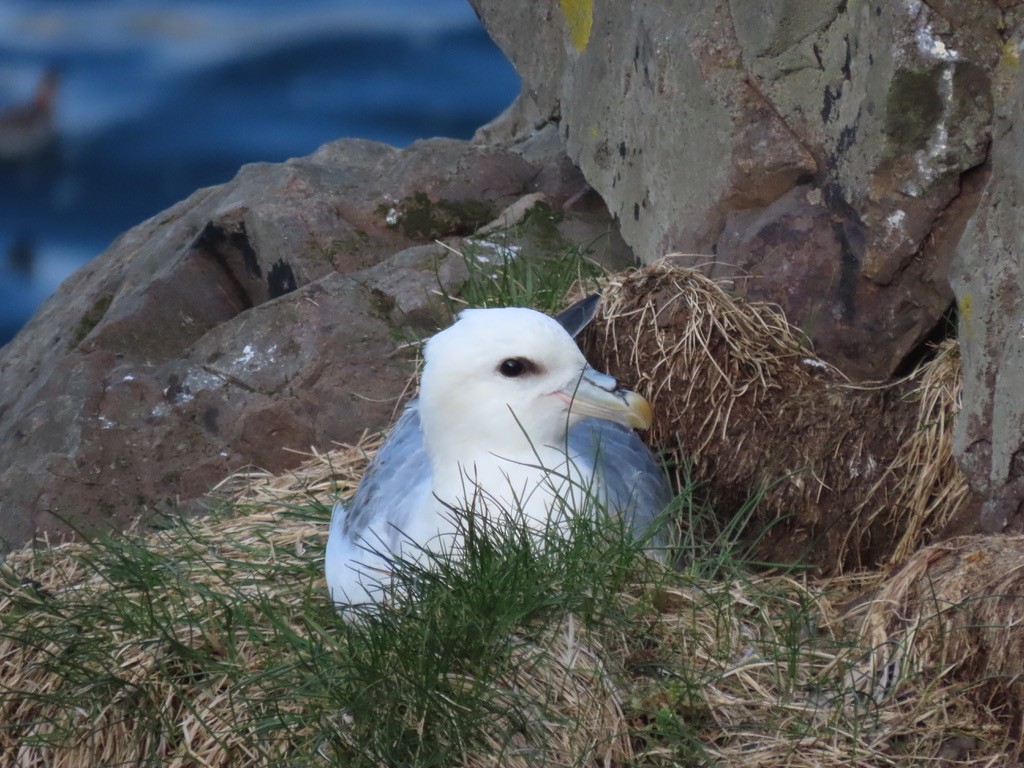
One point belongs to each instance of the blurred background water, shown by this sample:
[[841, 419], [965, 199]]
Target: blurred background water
[[157, 98]]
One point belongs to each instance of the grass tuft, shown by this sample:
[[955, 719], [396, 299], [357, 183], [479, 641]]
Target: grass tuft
[[228, 649], [465, 643], [511, 267], [213, 642]]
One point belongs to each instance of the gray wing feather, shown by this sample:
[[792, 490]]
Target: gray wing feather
[[576, 317], [632, 481], [393, 482]]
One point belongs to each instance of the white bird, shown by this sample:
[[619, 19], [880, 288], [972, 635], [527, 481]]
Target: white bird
[[510, 419]]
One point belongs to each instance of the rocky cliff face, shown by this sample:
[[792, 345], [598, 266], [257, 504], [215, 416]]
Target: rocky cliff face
[[822, 154], [834, 157], [849, 161], [988, 277]]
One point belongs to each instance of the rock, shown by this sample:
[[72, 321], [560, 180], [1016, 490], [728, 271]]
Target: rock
[[817, 150], [832, 157], [406, 285], [989, 283], [250, 321]]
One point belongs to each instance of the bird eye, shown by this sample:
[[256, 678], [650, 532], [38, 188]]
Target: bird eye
[[512, 367]]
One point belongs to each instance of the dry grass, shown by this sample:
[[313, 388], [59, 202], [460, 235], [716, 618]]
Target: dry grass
[[956, 607], [183, 632], [854, 475], [777, 669], [751, 670], [213, 643], [922, 489]]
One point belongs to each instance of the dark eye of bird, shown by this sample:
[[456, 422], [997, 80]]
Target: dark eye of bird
[[513, 367]]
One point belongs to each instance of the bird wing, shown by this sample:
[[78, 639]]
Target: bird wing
[[578, 316], [364, 532], [631, 481], [396, 482]]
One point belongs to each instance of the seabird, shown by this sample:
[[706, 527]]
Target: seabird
[[28, 130], [510, 420]]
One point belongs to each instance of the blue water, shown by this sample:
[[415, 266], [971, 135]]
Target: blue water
[[160, 98]]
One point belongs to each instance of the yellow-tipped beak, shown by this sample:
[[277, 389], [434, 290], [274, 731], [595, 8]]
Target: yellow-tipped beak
[[599, 395]]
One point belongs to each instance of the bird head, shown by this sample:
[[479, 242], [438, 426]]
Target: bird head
[[513, 378]]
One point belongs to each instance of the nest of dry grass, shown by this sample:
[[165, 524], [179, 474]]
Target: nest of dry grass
[[740, 670], [783, 684], [956, 607], [847, 475], [151, 696], [744, 671]]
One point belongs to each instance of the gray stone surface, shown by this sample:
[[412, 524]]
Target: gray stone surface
[[811, 148], [832, 156], [988, 276]]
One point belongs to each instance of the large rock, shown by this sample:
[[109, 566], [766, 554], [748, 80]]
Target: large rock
[[988, 276], [820, 153], [834, 157], [250, 321]]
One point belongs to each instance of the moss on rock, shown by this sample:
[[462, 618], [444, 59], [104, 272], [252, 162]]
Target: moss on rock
[[419, 217]]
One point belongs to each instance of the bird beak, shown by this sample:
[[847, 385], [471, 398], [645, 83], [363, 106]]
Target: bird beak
[[599, 395]]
